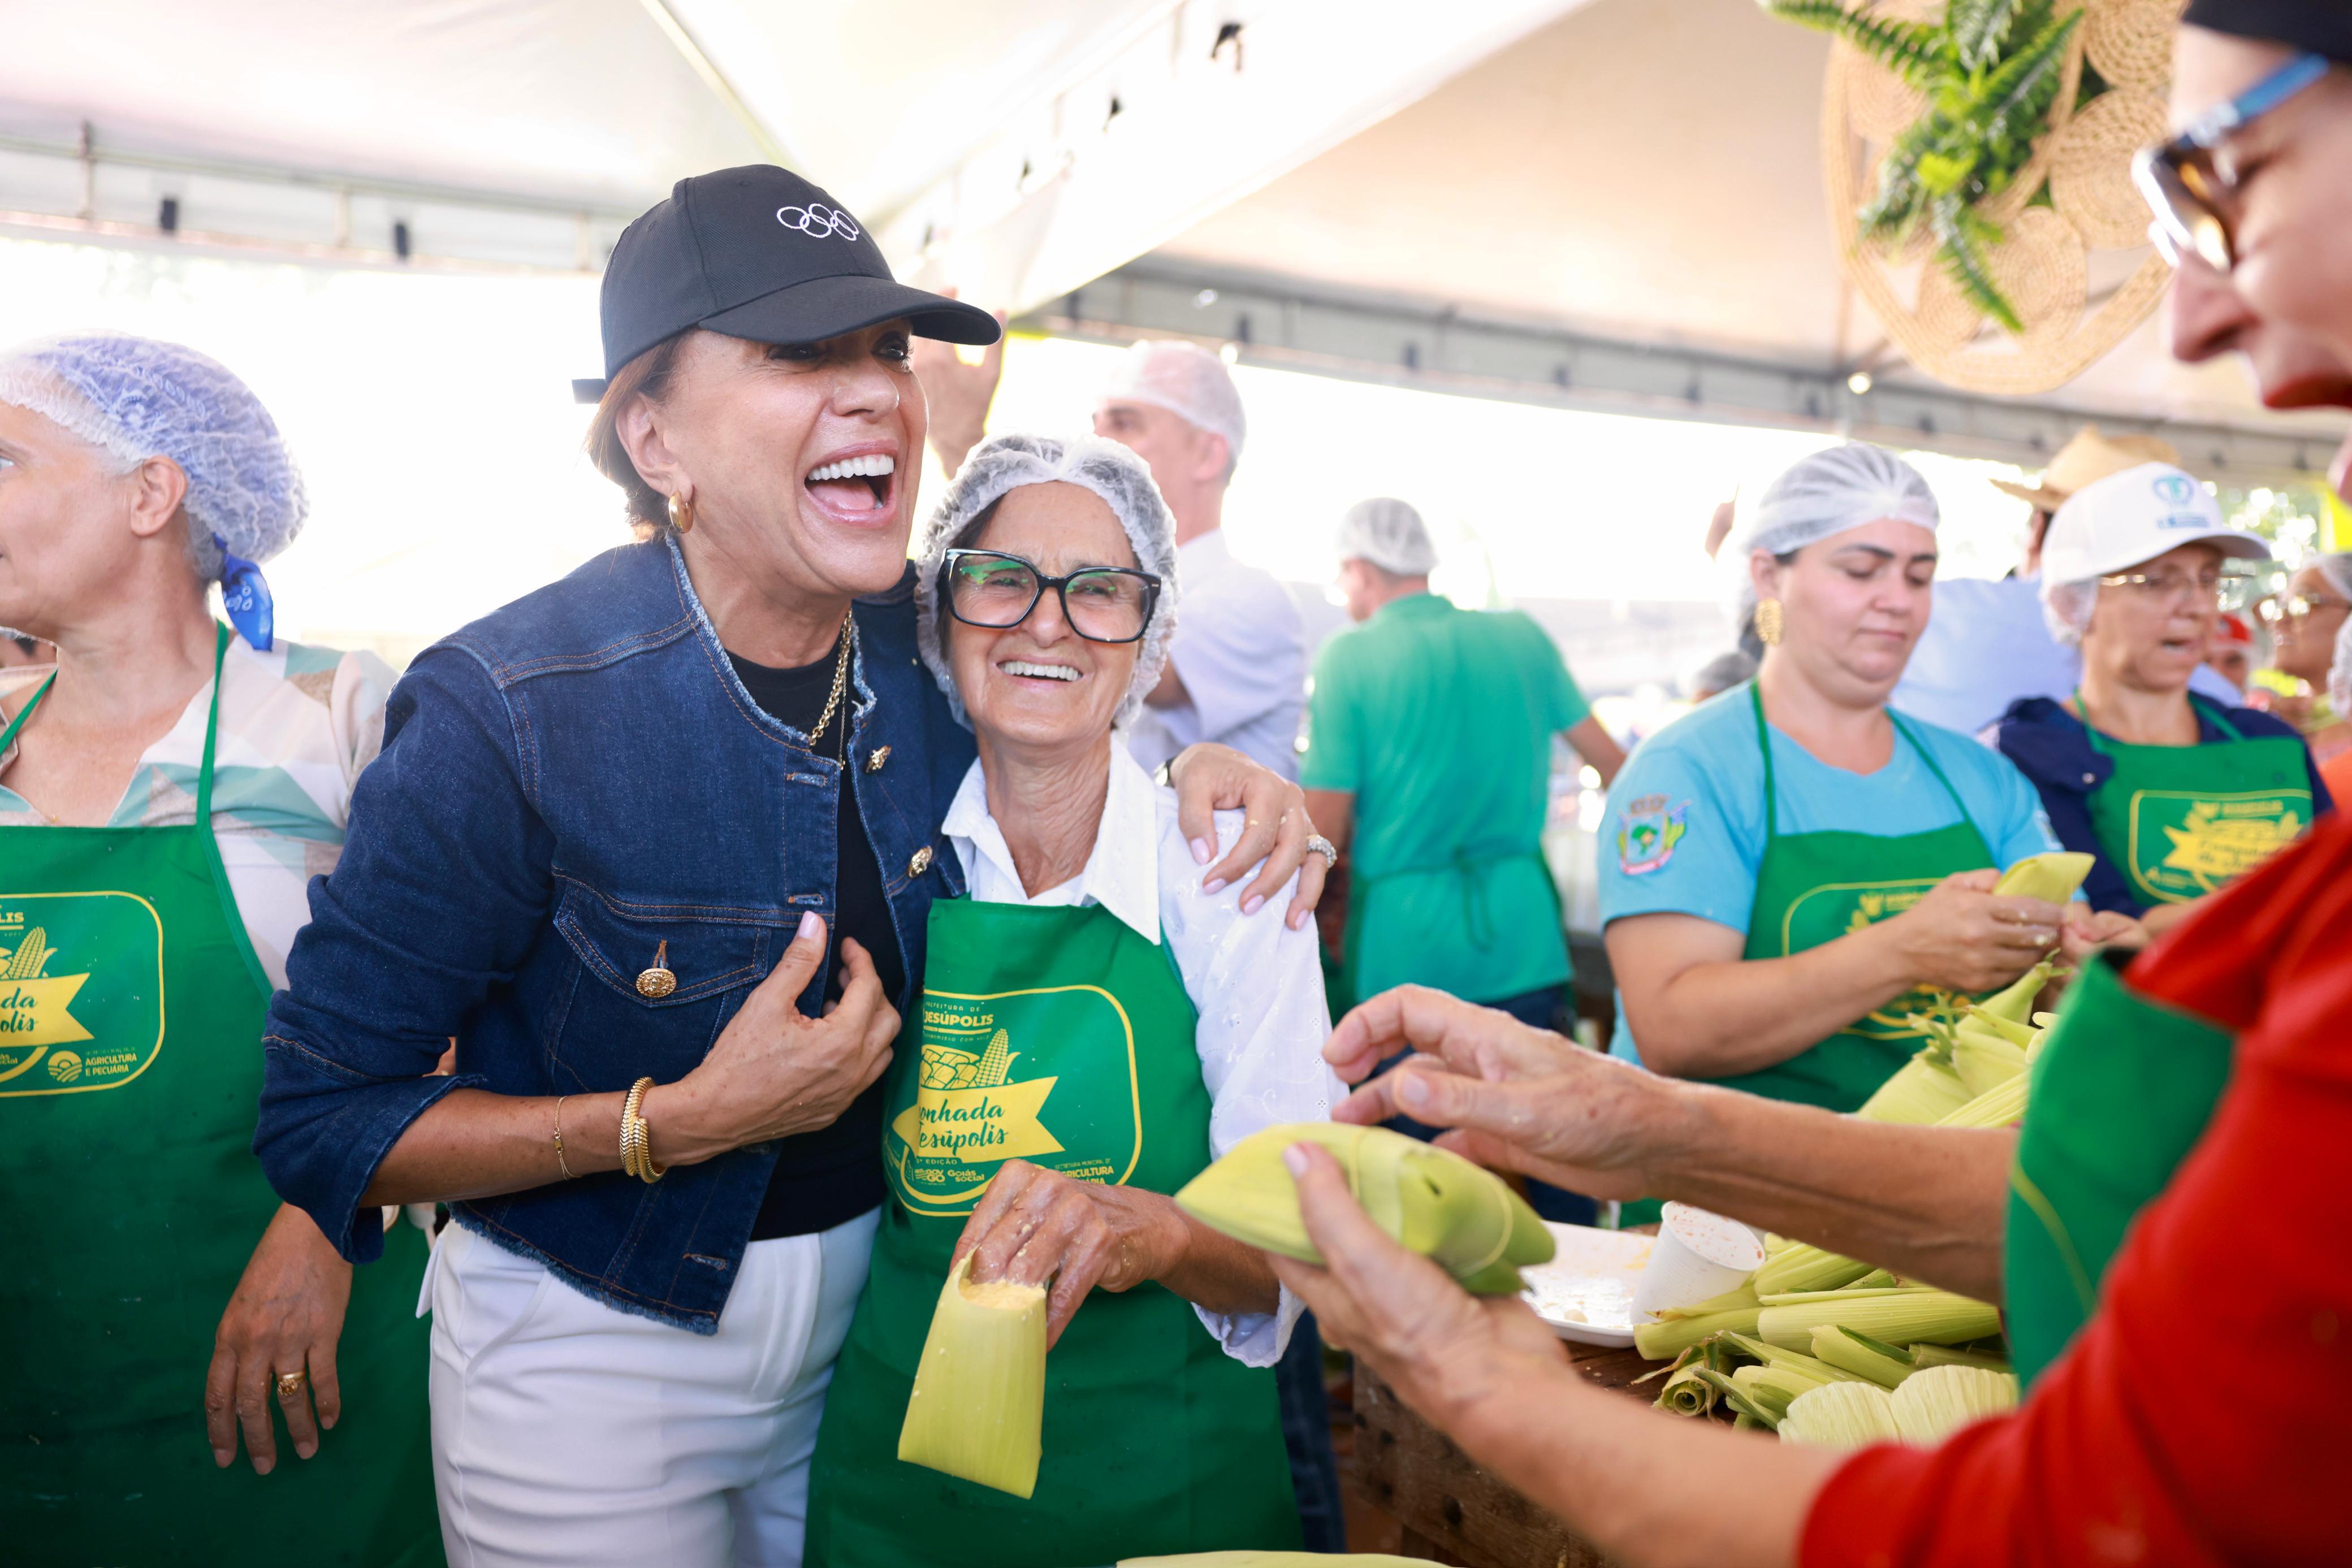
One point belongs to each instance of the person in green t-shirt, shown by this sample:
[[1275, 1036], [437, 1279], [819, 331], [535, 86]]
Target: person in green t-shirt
[[1429, 762]]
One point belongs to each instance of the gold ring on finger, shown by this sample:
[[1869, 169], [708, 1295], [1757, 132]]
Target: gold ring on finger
[[290, 1384]]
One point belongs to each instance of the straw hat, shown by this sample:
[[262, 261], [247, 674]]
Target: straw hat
[[2086, 460]]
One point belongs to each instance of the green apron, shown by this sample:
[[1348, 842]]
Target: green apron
[[2120, 1092], [1060, 1037], [130, 1017], [2181, 821], [1813, 888]]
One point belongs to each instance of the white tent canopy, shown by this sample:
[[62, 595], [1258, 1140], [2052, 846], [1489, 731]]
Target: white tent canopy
[[1641, 172]]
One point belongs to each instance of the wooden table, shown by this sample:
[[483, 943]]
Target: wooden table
[[1453, 1510]]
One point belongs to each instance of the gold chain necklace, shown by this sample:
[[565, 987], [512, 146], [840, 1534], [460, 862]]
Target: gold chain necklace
[[840, 682]]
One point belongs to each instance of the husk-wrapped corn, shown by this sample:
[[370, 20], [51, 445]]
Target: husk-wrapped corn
[[1938, 1401], [1430, 1200], [1842, 1416], [978, 1409]]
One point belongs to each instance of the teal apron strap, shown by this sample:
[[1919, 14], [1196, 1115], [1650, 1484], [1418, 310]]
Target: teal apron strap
[[204, 824], [8, 736], [1958, 804], [1764, 745]]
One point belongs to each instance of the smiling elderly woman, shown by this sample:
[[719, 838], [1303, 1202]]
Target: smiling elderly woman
[[1120, 1026]]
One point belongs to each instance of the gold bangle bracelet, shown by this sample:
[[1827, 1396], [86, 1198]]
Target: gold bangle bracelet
[[559, 1137], [637, 1136]]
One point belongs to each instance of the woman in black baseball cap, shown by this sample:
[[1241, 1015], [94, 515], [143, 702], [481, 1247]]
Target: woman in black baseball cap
[[657, 844]]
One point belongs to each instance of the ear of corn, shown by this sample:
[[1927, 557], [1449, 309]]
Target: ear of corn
[[2016, 1002], [1853, 1292], [2020, 1035], [1984, 1057], [1430, 1200], [1771, 1389], [1923, 1090], [1904, 1317], [1840, 1416], [2051, 877], [1804, 1267], [978, 1410], [1938, 1401], [1926, 1355], [1804, 1365], [1860, 1354], [1742, 1403], [2000, 1106], [1665, 1341]]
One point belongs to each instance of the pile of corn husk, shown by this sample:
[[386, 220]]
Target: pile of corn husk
[[1831, 1351]]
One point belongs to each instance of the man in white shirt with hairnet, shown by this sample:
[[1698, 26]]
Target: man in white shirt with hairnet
[[1237, 663]]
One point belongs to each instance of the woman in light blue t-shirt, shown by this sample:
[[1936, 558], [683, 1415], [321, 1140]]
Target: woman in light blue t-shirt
[[1794, 869]]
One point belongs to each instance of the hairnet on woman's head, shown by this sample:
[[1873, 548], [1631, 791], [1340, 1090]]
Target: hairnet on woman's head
[[1008, 463], [1828, 493], [2339, 673], [139, 398], [2336, 566]]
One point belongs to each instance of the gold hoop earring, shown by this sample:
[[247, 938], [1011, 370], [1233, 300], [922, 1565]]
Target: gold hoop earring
[[1769, 621], [681, 513]]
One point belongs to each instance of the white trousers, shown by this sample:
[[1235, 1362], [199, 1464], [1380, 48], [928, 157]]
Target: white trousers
[[568, 1435]]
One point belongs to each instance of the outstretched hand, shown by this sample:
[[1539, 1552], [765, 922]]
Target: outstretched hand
[[1437, 1345]]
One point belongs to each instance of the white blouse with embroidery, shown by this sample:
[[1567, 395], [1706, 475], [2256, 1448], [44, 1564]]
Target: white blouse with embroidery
[[1256, 985], [296, 725]]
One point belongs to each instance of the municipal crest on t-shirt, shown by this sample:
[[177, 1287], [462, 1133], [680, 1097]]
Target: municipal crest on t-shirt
[[1648, 829]]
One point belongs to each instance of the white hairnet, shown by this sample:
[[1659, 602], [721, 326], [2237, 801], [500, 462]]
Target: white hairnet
[[139, 398], [2339, 673], [2336, 567], [1828, 493], [1187, 380], [2066, 609], [1007, 463], [1390, 534]]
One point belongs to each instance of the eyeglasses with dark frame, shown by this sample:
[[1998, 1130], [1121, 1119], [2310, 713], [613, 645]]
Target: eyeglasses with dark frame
[[2189, 189], [996, 592]]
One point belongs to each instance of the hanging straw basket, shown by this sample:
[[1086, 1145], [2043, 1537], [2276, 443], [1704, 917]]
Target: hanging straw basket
[[2049, 254]]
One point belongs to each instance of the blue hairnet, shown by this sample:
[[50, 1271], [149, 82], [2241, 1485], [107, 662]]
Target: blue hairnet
[[1010, 461], [140, 398]]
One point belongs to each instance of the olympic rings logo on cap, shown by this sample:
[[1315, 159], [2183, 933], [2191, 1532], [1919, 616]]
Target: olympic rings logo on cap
[[818, 221]]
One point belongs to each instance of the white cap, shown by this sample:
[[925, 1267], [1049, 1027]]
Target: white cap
[[2116, 523], [1187, 380], [1390, 534]]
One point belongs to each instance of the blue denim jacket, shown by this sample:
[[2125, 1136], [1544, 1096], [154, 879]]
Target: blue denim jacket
[[565, 785]]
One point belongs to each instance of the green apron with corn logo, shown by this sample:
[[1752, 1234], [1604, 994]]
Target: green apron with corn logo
[[2119, 1093], [1057, 1036], [130, 1018], [2181, 821], [1813, 888]]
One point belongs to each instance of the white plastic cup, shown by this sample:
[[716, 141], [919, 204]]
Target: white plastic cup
[[1698, 1256]]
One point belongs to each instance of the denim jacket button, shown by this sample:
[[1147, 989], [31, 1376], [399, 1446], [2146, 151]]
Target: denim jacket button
[[922, 862], [874, 763]]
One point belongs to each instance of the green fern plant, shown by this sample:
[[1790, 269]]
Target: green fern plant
[[1990, 71]]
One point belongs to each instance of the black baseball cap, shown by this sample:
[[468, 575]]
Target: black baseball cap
[[758, 253]]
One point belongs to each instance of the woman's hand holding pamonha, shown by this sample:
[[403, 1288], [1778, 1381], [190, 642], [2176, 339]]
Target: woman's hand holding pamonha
[[1034, 1225], [776, 1071], [1963, 937]]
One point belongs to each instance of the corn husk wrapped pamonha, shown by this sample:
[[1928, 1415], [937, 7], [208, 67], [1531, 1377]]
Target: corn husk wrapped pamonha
[[1430, 1200]]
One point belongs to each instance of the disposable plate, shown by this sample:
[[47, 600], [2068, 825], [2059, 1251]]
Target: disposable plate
[[1585, 1292]]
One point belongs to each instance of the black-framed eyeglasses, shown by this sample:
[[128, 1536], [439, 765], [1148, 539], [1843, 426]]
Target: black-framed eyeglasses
[[2191, 189], [1102, 603]]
